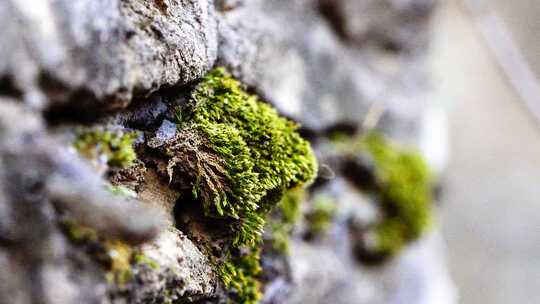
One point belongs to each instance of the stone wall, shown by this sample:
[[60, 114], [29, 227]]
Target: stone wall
[[78, 229]]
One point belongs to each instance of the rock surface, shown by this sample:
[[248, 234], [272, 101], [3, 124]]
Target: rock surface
[[313, 76], [102, 53], [329, 65]]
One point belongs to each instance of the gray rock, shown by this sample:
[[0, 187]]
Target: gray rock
[[314, 77], [101, 51], [166, 131], [184, 273], [391, 24], [39, 181], [288, 53], [322, 275]]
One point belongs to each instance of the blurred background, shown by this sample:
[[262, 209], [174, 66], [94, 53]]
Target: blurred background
[[490, 213]]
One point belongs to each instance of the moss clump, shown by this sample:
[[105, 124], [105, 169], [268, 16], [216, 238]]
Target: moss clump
[[116, 147], [282, 223], [404, 192], [240, 157], [242, 154], [321, 215], [142, 259], [117, 257], [240, 275]]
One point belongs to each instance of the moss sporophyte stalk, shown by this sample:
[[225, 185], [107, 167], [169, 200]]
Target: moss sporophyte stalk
[[241, 157], [403, 190]]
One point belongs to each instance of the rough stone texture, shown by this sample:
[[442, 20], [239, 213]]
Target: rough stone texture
[[102, 51], [323, 63], [391, 24], [311, 75], [40, 178], [301, 68], [184, 273]]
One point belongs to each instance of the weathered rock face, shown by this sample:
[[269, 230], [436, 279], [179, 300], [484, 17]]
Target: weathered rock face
[[397, 25], [286, 51], [39, 179], [291, 55], [102, 53], [184, 272], [328, 65]]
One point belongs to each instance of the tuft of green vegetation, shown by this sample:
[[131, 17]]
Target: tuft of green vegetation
[[288, 212], [116, 147], [142, 259], [241, 157], [240, 275], [241, 154], [404, 192], [321, 215]]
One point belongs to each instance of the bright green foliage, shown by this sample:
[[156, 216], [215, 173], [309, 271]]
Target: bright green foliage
[[404, 192], [240, 275], [321, 215], [115, 146], [255, 155], [241, 157], [282, 226]]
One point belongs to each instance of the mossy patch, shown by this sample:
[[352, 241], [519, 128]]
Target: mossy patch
[[116, 256], [121, 190], [321, 215], [281, 223], [240, 275], [404, 186], [243, 154], [115, 147], [240, 157]]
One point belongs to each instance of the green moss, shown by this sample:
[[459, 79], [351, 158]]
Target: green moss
[[321, 215], [79, 234], [121, 190], [404, 191], [119, 255], [115, 255], [116, 147], [341, 142], [241, 158], [282, 224], [140, 258], [246, 155], [240, 275]]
